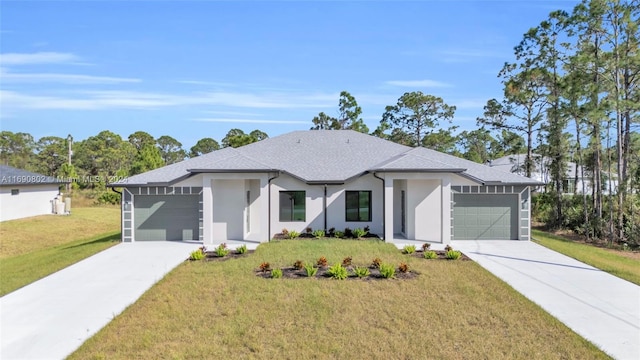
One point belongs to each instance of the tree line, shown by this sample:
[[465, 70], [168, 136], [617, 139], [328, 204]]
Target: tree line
[[106, 154]]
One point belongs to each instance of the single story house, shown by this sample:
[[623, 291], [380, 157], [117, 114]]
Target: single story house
[[323, 179], [573, 182], [24, 193]]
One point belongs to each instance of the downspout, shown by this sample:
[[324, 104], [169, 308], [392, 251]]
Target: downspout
[[324, 206], [269, 209], [384, 208], [121, 213]]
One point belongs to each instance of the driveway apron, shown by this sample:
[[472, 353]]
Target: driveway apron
[[52, 317], [602, 308]]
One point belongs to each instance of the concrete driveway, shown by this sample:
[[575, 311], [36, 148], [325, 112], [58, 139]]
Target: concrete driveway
[[600, 307], [52, 317]]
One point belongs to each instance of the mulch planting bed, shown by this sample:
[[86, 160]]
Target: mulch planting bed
[[441, 255], [292, 273], [211, 256]]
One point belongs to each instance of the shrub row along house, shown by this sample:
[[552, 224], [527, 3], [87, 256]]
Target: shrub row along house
[[324, 179]]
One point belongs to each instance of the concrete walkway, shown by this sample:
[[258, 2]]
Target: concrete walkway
[[52, 317], [600, 307]]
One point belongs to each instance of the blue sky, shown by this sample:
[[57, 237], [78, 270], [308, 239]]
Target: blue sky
[[194, 69]]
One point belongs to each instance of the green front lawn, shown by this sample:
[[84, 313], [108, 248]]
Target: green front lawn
[[218, 310], [22, 270], [604, 259]]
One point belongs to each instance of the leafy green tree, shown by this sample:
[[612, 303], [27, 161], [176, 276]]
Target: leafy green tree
[[204, 146], [140, 139], [325, 122], [148, 158], [417, 115], [103, 155], [170, 150], [442, 140], [236, 138], [16, 149], [52, 153], [479, 146], [348, 116]]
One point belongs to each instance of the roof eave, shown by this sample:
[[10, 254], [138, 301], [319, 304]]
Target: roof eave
[[405, 170]]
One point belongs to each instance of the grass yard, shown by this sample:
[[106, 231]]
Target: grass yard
[[22, 270], [36, 247], [23, 236], [453, 310], [607, 260]]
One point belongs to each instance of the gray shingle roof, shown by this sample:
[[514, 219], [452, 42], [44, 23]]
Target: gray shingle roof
[[13, 176], [325, 156]]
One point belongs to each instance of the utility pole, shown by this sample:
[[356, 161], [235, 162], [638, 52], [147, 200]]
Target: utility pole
[[69, 152]]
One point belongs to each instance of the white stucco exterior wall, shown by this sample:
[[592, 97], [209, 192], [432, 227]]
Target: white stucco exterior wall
[[225, 210], [32, 200]]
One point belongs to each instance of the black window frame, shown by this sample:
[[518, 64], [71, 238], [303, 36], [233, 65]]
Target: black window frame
[[349, 193], [293, 194]]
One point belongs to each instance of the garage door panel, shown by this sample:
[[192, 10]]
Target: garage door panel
[[166, 217], [478, 217]]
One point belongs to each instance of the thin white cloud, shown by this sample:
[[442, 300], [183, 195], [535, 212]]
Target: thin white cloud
[[9, 77], [97, 100], [37, 58], [418, 83], [232, 113], [251, 121]]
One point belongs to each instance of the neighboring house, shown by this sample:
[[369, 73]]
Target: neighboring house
[[24, 194], [541, 172], [323, 179]]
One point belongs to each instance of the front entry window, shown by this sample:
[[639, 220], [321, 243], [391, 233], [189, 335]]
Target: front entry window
[[292, 206], [358, 205]]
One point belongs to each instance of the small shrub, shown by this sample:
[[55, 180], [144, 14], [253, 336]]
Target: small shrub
[[318, 233], [338, 234], [361, 271], [347, 261], [426, 246], [409, 249], [241, 249], [221, 250], [308, 230], [322, 261], [203, 249], [285, 232], [298, 265], [338, 272], [403, 267], [331, 232], [376, 263], [276, 273], [358, 233], [293, 234], [265, 266], [348, 233], [453, 255], [310, 270], [387, 271], [448, 248], [197, 254], [430, 255]]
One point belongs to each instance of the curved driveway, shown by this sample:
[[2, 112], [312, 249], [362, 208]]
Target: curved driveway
[[602, 308], [52, 317]]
